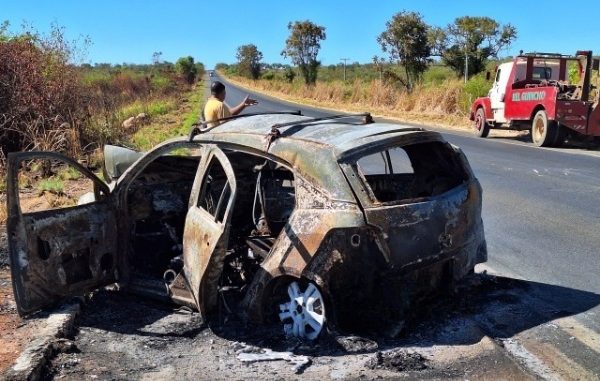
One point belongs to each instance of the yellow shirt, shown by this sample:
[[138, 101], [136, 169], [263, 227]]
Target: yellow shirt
[[215, 109]]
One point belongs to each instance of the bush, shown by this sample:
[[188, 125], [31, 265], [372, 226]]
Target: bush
[[41, 106], [475, 87], [187, 69], [269, 75], [289, 75]]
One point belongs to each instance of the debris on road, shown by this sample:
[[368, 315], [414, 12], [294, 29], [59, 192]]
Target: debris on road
[[397, 360], [250, 353], [356, 344]]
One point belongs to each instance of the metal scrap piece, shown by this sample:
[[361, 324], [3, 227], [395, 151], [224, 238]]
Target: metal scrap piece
[[250, 353]]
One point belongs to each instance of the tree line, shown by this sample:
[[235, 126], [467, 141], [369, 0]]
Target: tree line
[[465, 46]]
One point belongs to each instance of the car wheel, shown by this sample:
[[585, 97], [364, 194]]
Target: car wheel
[[543, 131], [303, 312], [481, 127]]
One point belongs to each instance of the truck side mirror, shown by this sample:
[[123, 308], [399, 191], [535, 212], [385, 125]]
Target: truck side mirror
[[488, 75]]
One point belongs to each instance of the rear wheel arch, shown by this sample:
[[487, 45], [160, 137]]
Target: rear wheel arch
[[535, 110]]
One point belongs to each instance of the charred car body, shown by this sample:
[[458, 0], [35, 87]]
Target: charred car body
[[276, 217]]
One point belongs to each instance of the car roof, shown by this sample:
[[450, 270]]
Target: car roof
[[314, 150], [338, 136]]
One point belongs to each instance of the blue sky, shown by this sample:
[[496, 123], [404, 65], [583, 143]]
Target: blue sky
[[130, 31]]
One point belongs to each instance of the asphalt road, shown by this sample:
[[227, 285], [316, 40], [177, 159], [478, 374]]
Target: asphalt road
[[541, 206]]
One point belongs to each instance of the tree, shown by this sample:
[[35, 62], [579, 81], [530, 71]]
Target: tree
[[379, 64], [302, 46], [474, 38], [249, 58], [156, 58], [186, 68], [405, 40]]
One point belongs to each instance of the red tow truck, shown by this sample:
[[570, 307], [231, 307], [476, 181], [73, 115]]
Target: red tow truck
[[533, 93]]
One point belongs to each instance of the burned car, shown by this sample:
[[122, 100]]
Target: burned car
[[304, 222]]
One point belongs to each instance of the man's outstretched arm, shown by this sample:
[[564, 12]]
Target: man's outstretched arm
[[245, 103]]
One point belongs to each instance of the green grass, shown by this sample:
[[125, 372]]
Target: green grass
[[100, 175], [149, 136], [69, 173], [52, 185], [161, 107], [152, 108]]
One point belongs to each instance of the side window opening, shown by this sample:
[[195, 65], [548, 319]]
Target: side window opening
[[50, 184], [215, 191], [411, 172]]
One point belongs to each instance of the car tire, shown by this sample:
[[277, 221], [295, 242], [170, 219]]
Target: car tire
[[303, 313], [543, 131], [480, 125]]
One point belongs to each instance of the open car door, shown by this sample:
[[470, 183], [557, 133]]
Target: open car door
[[62, 252], [207, 227]]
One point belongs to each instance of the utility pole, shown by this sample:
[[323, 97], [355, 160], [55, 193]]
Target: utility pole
[[344, 59], [466, 66]]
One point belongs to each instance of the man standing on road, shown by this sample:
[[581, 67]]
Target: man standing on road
[[216, 108]]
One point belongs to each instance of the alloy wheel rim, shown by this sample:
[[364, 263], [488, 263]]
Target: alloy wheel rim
[[303, 315]]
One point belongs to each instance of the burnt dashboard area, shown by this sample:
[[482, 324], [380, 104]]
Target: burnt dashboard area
[[157, 201]]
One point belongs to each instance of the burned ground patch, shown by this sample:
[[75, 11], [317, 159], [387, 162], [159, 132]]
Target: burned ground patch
[[458, 335], [397, 360]]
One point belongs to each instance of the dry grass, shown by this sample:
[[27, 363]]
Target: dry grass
[[444, 105]]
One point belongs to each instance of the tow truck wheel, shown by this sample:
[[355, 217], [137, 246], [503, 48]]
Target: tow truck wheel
[[543, 131], [561, 135], [482, 129]]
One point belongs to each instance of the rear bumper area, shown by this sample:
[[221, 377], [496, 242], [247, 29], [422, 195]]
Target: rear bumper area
[[381, 301]]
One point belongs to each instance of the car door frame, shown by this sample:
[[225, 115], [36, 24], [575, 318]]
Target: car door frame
[[32, 273], [205, 238]]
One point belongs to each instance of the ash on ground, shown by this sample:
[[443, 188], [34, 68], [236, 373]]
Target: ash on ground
[[397, 360]]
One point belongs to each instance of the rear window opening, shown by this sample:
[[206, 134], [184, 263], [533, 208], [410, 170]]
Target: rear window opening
[[411, 172]]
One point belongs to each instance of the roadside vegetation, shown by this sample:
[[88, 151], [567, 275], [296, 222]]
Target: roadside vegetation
[[50, 101], [421, 78]]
